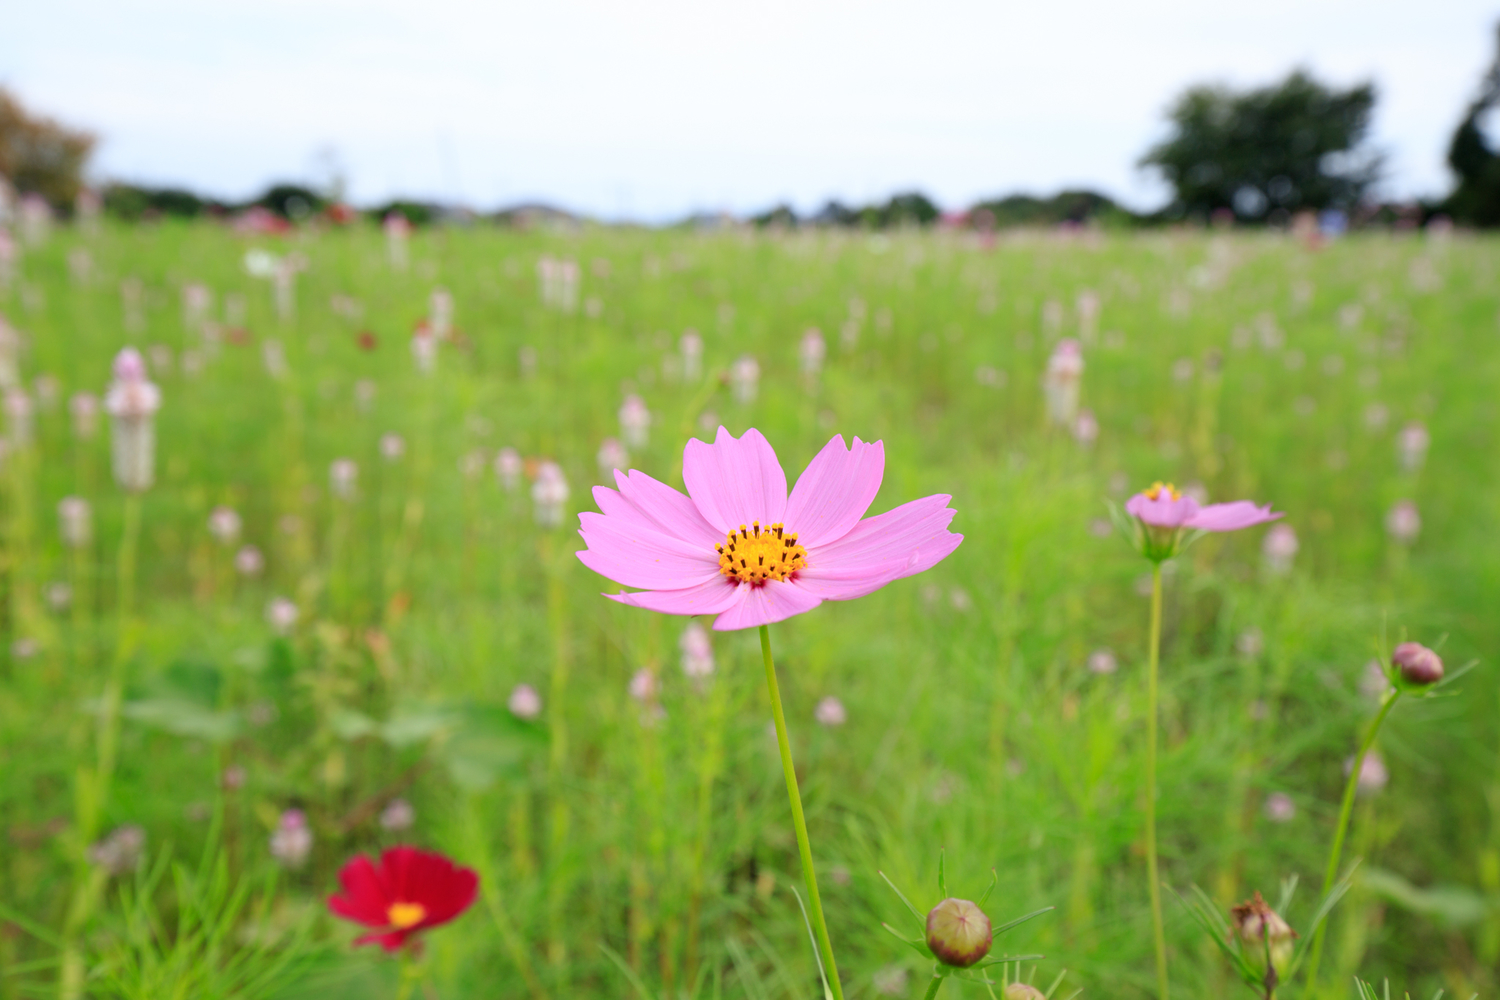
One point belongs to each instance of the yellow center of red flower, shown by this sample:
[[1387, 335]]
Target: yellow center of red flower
[[755, 554], [1159, 488], [404, 915]]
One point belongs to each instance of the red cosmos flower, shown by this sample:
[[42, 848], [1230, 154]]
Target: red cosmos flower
[[366, 340], [410, 891]]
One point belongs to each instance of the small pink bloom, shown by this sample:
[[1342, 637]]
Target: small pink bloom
[[1163, 507], [737, 546]]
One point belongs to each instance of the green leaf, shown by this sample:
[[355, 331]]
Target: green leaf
[[182, 717], [347, 724]]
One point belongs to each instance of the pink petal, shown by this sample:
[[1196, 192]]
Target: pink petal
[[1163, 512], [661, 508], [629, 553], [705, 599], [912, 538], [772, 602], [1231, 516], [835, 490], [735, 481]]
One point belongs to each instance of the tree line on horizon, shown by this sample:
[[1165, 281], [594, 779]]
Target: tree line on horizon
[[1251, 157]]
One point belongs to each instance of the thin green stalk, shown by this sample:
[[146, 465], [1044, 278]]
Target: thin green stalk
[[93, 789], [933, 987], [1315, 954], [411, 974], [1158, 929], [804, 846]]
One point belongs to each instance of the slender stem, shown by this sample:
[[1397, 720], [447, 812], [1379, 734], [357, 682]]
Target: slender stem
[[933, 987], [815, 904], [1158, 929], [411, 974], [1351, 786]]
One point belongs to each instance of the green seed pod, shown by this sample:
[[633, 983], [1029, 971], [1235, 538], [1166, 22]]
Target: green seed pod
[[1022, 991], [958, 933]]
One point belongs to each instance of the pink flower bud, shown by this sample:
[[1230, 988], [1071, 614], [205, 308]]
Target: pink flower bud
[[1417, 663], [958, 932]]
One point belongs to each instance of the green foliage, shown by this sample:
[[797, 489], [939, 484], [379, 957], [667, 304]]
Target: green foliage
[[1295, 145], [38, 154], [1476, 198]]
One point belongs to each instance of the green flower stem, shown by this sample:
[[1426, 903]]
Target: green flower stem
[[1158, 929], [820, 926], [1315, 954], [93, 789], [933, 987], [411, 974]]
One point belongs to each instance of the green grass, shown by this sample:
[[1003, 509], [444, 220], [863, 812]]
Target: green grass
[[974, 726]]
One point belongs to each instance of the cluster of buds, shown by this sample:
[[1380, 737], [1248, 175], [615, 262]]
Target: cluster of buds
[[132, 402]]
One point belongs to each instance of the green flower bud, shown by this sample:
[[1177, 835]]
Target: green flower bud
[[1256, 924], [1417, 663], [958, 933], [1022, 991]]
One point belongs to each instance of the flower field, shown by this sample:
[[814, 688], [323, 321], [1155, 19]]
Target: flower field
[[327, 600]]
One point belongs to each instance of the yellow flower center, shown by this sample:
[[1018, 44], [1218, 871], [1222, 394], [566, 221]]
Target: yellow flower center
[[1158, 488], [755, 554], [404, 915]]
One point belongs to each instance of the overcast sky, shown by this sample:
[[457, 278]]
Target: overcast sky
[[654, 108]]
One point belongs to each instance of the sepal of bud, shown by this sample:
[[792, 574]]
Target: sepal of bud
[[1265, 938]]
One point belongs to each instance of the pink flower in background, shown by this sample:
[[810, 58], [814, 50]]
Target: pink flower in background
[[1162, 515], [612, 456], [1280, 548], [830, 712], [1404, 522], [524, 702], [737, 546]]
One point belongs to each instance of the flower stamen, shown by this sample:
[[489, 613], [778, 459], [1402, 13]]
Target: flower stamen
[[404, 915], [754, 555], [1158, 488]]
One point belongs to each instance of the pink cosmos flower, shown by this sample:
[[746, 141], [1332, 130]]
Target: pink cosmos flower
[[737, 546], [1164, 515]]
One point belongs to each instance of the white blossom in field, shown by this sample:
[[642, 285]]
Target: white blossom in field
[[1280, 548], [18, 417], [273, 356], [1411, 446], [635, 422], [745, 376], [424, 345], [1102, 661], [392, 446], [1062, 381], [1403, 523], [343, 477], [524, 702], [440, 312], [224, 525], [292, 840], [830, 712], [197, 304], [248, 561], [612, 456], [132, 402], [508, 468], [59, 596], [397, 231], [281, 615], [84, 409], [398, 815], [365, 391], [1280, 808], [811, 351], [691, 346], [697, 651], [549, 493], [120, 852]]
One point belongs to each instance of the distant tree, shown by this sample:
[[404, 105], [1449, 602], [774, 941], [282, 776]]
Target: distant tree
[[132, 201], [910, 209], [782, 216], [292, 201], [40, 155], [1063, 207], [1476, 199], [836, 213], [1298, 144]]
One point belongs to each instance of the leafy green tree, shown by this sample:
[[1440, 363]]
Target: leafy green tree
[[1298, 144], [40, 155], [1476, 200]]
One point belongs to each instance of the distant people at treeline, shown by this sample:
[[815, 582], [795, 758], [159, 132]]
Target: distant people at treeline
[[1258, 156]]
